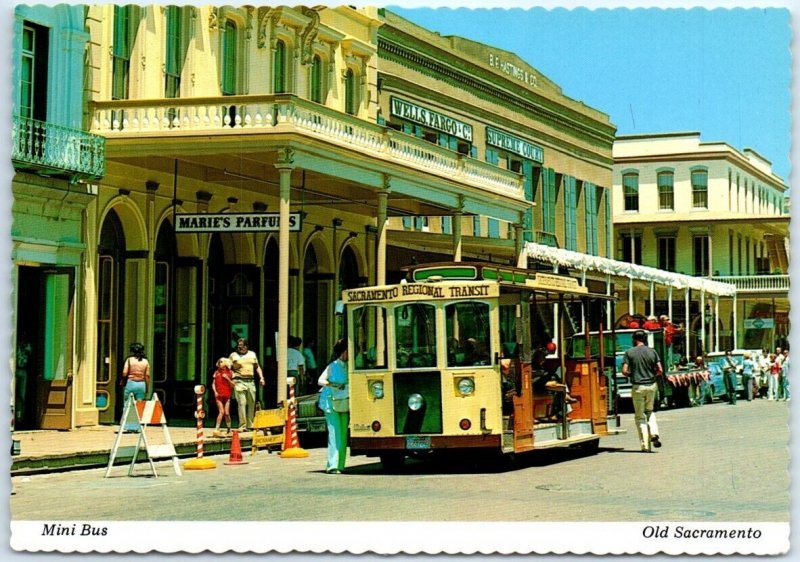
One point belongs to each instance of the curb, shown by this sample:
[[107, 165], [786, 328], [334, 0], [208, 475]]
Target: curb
[[28, 466]]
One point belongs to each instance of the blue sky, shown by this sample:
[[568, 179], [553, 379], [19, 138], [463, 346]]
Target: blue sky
[[724, 73]]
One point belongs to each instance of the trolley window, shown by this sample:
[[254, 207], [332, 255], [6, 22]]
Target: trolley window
[[369, 334], [467, 334], [415, 335]]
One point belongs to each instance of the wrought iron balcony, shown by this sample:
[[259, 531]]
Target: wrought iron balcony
[[756, 283], [284, 113], [56, 150]]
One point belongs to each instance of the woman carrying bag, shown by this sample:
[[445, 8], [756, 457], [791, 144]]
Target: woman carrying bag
[[334, 401]]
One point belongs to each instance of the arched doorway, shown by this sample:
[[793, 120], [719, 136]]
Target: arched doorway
[[175, 356], [233, 301], [349, 278], [315, 301], [110, 293]]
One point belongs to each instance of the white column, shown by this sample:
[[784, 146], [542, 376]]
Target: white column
[[380, 258], [380, 274], [703, 320], [630, 295], [735, 325], [652, 298], [608, 303], [669, 304], [519, 244], [285, 159], [716, 322], [686, 324], [583, 306]]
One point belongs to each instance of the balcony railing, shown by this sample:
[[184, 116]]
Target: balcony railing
[[260, 114], [756, 283], [56, 149]]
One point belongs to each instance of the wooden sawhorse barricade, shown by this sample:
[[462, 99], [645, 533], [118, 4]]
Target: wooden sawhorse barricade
[[144, 413]]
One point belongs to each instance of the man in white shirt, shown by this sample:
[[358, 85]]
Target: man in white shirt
[[296, 364]]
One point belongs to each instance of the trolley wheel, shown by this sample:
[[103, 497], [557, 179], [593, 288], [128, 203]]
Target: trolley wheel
[[393, 462]]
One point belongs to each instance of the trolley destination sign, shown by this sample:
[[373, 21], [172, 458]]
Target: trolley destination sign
[[233, 222], [416, 291]]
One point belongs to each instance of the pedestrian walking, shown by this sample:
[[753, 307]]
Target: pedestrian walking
[[749, 368], [136, 374], [334, 401], [774, 371], [222, 385], [783, 382], [701, 388], [764, 366], [245, 368], [729, 369], [643, 366]]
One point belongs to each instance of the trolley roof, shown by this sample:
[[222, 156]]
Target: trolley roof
[[506, 276]]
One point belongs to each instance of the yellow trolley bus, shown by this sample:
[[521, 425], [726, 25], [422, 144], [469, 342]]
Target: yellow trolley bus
[[459, 358]]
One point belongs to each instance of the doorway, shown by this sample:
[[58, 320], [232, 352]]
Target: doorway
[[43, 378]]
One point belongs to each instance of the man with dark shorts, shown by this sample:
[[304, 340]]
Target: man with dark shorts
[[643, 366]]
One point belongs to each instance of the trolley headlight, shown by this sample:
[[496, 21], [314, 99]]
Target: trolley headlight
[[376, 389], [466, 386], [415, 402]]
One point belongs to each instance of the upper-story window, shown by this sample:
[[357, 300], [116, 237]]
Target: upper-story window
[[33, 72], [700, 189], [123, 42], [549, 201], [279, 74], [666, 253], [316, 93], [591, 218], [350, 92], [229, 58], [630, 191], [173, 62], [570, 213], [666, 191]]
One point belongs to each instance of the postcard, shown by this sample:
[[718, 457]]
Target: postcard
[[413, 280]]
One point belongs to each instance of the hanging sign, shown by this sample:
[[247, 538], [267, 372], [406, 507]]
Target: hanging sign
[[759, 323], [233, 222]]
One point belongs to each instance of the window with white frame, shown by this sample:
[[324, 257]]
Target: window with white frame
[[630, 191], [700, 189], [666, 191]]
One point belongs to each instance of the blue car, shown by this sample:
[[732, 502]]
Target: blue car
[[715, 362]]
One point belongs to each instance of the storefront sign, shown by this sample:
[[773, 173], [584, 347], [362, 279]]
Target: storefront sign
[[513, 70], [510, 143], [232, 222], [430, 118], [759, 323]]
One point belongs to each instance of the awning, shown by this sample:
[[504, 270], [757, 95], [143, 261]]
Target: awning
[[585, 262]]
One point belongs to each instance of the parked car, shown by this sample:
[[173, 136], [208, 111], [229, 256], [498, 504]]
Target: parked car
[[310, 419], [715, 361]]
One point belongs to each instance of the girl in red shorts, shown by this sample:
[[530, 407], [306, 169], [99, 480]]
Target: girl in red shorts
[[222, 386]]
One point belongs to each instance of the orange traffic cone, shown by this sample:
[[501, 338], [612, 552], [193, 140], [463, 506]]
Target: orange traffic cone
[[236, 450], [291, 443]]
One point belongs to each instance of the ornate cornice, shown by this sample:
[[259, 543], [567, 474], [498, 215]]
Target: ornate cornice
[[433, 68]]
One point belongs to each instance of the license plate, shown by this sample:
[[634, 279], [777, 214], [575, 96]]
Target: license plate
[[418, 442]]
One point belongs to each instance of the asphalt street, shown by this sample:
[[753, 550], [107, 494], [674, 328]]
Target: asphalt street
[[718, 463]]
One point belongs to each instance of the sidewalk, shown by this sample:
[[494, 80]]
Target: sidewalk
[[89, 447]]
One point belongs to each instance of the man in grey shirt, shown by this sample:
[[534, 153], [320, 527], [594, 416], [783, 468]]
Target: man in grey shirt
[[643, 366]]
